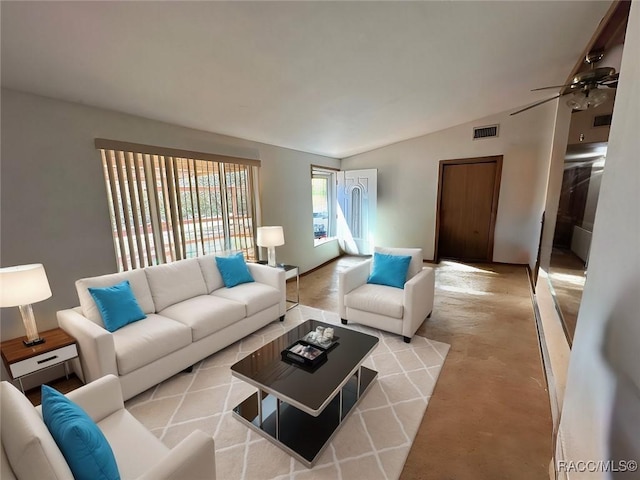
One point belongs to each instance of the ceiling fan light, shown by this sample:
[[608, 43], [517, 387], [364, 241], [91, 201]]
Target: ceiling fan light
[[597, 97], [577, 101], [591, 99]]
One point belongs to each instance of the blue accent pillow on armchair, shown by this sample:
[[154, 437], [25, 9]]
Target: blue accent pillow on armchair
[[117, 305], [234, 270], [390, 270], [82, 443]]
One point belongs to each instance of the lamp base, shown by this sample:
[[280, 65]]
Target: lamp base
[[31, 343]]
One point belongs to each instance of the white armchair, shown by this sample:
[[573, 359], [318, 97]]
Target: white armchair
[[395, 310], [29, 450]]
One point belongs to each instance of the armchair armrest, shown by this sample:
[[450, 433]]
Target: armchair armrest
[[193, 458], [418, 300], [274, 277], [97, 350], [99, 398], [350, 279]]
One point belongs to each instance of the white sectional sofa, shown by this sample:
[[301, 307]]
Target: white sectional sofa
[[190, 315], [29, 451]]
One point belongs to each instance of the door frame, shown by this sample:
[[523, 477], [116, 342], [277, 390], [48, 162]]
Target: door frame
[[497, 159]]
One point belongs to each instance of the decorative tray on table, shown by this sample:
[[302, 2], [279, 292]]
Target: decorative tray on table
[[304, 353], [323, 343]]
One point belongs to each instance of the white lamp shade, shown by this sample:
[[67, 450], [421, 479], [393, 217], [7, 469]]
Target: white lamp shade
[[23, 285], [270, 236]]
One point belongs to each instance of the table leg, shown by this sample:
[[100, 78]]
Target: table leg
[[359, 377], [260, 407], [277, 419]]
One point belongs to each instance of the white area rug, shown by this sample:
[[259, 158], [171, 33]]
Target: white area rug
[[372, 444]]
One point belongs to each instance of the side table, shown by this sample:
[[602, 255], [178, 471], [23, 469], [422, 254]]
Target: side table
[[290, 271], [20, 361]]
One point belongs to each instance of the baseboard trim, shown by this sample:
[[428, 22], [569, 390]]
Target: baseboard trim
[[545, 359]]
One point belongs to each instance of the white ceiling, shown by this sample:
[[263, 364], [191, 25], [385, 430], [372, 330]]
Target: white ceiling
[[335, 78]]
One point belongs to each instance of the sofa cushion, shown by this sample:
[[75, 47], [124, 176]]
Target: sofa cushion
[[210, 272], [254, 296], [415, 267], [83, 445], [390, 270], [139, 286], [117, 305], [174, 282], [234, 270], [205, 314], [379, 299], [142, 342], [136, 449], [30, 448]]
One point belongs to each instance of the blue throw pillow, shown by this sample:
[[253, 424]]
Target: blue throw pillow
[[234, 270], [390, 270], [83, 445], [117, 305]]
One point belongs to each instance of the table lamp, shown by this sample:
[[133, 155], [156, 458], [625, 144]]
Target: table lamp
[[270, 237], [20, 287]]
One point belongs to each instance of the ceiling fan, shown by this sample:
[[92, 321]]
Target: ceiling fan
[[584, 86]]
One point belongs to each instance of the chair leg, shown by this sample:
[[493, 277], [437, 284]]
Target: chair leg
[[282, 318], [344, 321], [429, 316], [407, 339]]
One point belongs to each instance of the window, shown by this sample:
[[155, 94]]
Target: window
[[168, 205], [323, 196]]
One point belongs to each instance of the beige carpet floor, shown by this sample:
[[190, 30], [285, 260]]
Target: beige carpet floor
[[372, 444]]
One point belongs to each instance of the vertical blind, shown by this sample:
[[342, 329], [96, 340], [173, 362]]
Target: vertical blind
[[168, 204]]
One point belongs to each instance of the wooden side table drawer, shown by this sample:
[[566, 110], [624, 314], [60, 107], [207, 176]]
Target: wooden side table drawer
[[44, 360]]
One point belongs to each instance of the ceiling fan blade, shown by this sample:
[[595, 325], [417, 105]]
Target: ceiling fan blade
[[555, 86], [609, 79], [540, 103]]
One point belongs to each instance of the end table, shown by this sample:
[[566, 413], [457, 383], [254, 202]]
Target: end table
[[20, 361], [290, 271]]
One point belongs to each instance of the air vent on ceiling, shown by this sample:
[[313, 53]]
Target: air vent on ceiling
[[602, 120], [485, 132]]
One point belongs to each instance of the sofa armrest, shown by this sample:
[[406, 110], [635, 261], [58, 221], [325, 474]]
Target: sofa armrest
[[418, 300], [99, 398], [193, 458], [97, 350], [349, 280], [274, 277]]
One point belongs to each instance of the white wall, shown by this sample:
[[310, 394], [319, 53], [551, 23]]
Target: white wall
[[408, 181], [601, 413], [54, 204]]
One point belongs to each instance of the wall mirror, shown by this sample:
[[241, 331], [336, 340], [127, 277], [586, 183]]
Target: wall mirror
[[583, 167], [584, 164]]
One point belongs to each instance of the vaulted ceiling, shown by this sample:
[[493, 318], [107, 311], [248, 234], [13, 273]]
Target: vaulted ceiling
[[334, 78]]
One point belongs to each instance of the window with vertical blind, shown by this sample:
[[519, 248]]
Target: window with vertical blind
[[167, 204]]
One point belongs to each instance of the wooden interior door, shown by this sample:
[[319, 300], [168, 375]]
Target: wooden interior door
[[467, 206]]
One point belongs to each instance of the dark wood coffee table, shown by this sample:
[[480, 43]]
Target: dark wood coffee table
[[297, 408]]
